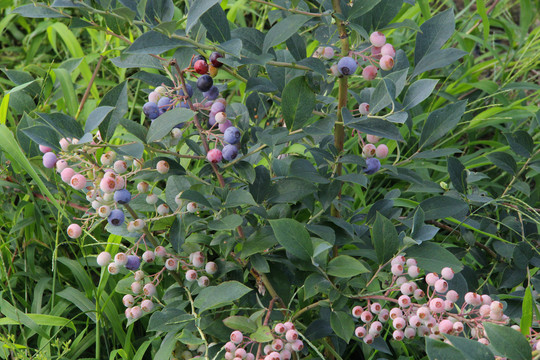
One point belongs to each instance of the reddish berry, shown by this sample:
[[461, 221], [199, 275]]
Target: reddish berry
[[214, 156], [398, 335], [377, 38], [201, 67], [399, 323], [388, 49], [436, 305], [360, 331], [366, 316], [382, 151], [214, 59], [78, 182], [369, 72]]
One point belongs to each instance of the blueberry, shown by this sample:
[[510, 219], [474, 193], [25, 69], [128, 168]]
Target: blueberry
[[214, 59], [232, 135], [164, 104], [116, 217], [229, 152], [189, 90], [347, 66], [217, 107], [211, 119], [122, 196], [197, 58], [133, 262], [205, 82], [372, 166], [151, 110], [49, 160], [211, 94]]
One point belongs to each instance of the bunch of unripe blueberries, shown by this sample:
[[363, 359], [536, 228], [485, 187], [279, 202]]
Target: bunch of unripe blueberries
[[285, 342], [432, 313]]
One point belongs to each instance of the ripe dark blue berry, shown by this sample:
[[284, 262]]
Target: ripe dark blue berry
[[229, 152], [189, 90], [232, 135], [211, 94], [347, 66], [122, 196], [214, 59], [204, 83], [164, 104], [151, 110], [116, 217], [372, 166], [133, 262]]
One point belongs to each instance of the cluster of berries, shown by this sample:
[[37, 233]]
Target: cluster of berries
[[372, 153], [382, 54], [285, 342], [192, 351], [145, 286], [432, 312]]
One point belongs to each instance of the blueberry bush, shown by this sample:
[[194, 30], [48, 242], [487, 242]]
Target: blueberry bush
[[270, 180]]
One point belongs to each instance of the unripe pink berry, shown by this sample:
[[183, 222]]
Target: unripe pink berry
[[171, 264], [274, 355], [404, 301], [398, 335], [240, 353], [448, 305], [334, 70], [388, 49], [104, 211], [228, 356], [397, 269], [458, 326], [400, 259], [495, 315], [203, 281], [395, 313], [368, 339], [419, 294], [399, 323], [136, 287], [139, 224], [430, 322], [44, 149], [162, 167], [411, 262], [197, 259], [279, 328], [107, 184], [446, 326], [191, 275], [375, 139], [210, 267], [377, 38], [136, 312], [277, 345], [376, 50], [160, 251], [61, 165], [496, 306], [192, 207], [113, 269], [147, 305], [376, 327], [409, 332], [148, 256], [484, 310], [128, 300], [103, 259], [230, 347], [221, 117], [375, 308], [74, 231], [357, 311], [149, 289], [486, 300], [363, 108], [298, 345], [237, 337], [285, 355], [441, 286], [436, 305], [401, 280], [127, 313], [289, 325], [360, 332], [64, 144], [291, 335], [214, 156], [423, 331], [139, 275], [78, 182], [473, 299], [415, 321], [369, 151], [369, 72], [120, 259], [452, 295], [328, 52], [120, 166], [406, 289], [386, 62], [163, 209], [268, 349], [447, 273], [384, 315], [382, 151], [366, 316], [423, 312], [431, 278], [483, 341]]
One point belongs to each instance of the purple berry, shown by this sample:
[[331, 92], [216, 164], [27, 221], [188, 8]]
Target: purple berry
[[204, 83], [116, 217], [214, 59], [211, 94], [232, 135], [217, 107], [347, 66], [133, 262], [164, 104], [49, 160], [372, 166], [151, 110], [122, 196], [225, 125], [189, 90], [229, 152], [211, 119]]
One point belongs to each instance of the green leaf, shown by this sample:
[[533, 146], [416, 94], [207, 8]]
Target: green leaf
[[262, 335], [438, 350], [163, 125], [434, 33], [362, 7], [239, 197], [458, 174], [65, 125], [136, 61], [441, 122], [260, 84], [298, 101], [96, 117], [217, 296], [382, 96], [438, 59], [303, 169], [525, 323], [508, 342], [372, 126], [197, 197], [216, 24], [40, 319], [117, 97], [291, 190], [345, 266], [384, 238], [241, 323], [314, 284], [39, 10], [229, 222], [433, 257], [294, 237], [68, 92], [418, 92], [503, 161], [520, 142], [342, 324], [470, 349], [78, 299], [440, 207], [153, 42], [283, 30], [197, 9]]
